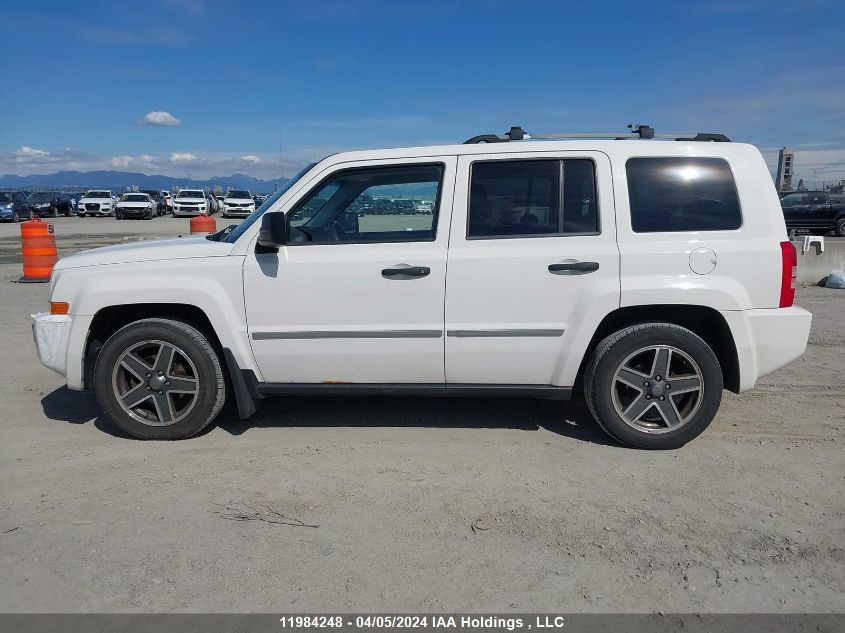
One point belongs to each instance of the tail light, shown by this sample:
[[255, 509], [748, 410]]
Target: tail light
[[789, 273]]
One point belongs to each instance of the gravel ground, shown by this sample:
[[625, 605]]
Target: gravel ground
[[416, 504]]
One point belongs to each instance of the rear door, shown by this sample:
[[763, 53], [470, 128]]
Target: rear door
[[532, 261], [818, 210]]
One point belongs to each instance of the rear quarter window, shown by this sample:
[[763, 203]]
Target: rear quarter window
[[682, 194]]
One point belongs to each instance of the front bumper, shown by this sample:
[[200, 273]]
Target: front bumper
[[767, 339], [60, 344], [133, 212], [50, 334]]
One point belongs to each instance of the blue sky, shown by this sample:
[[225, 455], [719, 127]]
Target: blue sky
[[323, 76]]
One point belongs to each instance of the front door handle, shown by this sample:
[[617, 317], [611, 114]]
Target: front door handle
[[404, 271], [573, 268]]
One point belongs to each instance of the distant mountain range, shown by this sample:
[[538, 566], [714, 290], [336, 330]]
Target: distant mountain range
[[118, 180]]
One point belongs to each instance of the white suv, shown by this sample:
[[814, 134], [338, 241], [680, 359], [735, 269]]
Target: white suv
[[96, 202], [238, 203], [190, 202], [645, 274]]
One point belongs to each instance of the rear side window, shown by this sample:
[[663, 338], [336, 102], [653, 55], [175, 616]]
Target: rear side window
[[532, 198], [682, 194]]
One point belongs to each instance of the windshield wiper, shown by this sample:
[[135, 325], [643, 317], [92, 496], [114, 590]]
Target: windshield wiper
[[217, 237]]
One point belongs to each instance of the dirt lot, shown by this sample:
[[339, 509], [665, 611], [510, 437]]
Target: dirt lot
[[428, 505]]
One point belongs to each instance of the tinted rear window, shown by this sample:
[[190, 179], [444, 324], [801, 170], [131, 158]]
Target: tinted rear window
[[532, 198], [682, 194]]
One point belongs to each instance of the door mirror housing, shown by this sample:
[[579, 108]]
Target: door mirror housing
[[274, 233]]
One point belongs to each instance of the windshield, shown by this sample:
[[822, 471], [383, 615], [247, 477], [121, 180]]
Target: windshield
[[41, 196], [98, 194], [253, 217], [186, 193], [135, 197], [7, 196], [238, 194]]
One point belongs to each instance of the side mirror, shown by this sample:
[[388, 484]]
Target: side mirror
[[273, 232]]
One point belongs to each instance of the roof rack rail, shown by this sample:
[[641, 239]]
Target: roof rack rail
[[516, 133]]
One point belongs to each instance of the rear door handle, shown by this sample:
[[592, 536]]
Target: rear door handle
[[404, 271], [573, 268]]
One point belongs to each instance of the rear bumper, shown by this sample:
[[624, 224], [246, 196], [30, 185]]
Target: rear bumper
[[766, 340]]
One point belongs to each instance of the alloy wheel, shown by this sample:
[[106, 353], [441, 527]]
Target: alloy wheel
[[155, 383], [657, 389]]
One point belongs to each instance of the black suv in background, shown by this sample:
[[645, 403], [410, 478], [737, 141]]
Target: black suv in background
[[817, 211], [49, 204], [157, 197]]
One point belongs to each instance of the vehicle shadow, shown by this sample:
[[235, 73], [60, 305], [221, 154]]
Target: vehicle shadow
[[78, 407], [568, 419]]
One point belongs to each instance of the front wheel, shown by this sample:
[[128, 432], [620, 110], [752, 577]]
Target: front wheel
[[159, 379], [653, 385], [839, 227], [16, 217]]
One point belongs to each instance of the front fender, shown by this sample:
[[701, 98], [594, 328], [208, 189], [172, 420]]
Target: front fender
[[212, 284]]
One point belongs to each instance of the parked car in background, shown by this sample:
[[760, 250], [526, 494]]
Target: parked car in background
[[213, 206], [96, 202], [13, 206], [136, 205], [238, 204], [168, 200], [816, 211], [75, 198], [190, 202], [50, 204], [157, 197]]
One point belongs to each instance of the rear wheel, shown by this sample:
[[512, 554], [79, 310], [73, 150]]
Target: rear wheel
[[653, 385], [159, 379], [839, 227]]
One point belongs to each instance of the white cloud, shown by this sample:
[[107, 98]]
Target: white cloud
[[252, 159], [138, 162], [183, 157], [161, 118], [29, 153]]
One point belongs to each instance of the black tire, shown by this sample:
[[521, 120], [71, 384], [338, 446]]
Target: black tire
[[839, 227], [202, 360], [16, 217], [54, 212], [602, 389]]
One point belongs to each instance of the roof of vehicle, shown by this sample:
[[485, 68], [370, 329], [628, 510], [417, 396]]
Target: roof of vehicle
[[693, 144]]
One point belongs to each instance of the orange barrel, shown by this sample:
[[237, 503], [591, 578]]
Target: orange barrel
[[203, 224], [38, 245]]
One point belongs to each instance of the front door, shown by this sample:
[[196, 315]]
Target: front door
[[357, 294], [795, 210], [532, 263]]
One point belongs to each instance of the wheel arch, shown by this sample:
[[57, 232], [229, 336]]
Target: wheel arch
[[110, 319], [704, 321]]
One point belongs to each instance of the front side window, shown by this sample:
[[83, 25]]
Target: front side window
[[816, 198], [378, 204], [682, 194], [792, 200], [530, 198]]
